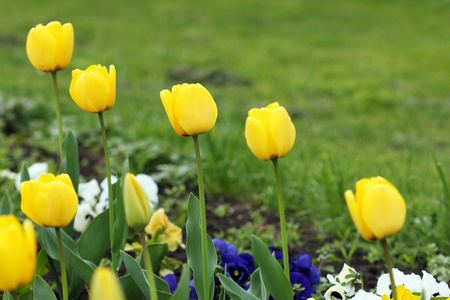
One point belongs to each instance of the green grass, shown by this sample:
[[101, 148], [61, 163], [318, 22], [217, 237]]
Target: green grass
[[367, 84]]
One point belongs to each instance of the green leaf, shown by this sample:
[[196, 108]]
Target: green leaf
[[234, 290], [125, 170], [7, 296], [5, 205], [41, 263], [157, 253], [97, 233], [120, 223], [130, 288], [273, 275], [70, 163], [257, 287], [24, 175], [42, 290], [183, 289], [194, 249]]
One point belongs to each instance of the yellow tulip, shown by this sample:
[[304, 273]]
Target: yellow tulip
[[50, 201], [137, 207], [94, 89], [377, 208], [17, 252], [402, 294], [190, 108], [105, 285], [50, 47], [269, 132], [171, 233]]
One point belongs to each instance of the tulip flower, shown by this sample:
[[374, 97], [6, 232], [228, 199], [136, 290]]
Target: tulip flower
[[50, 47], [190, 108], [377, 208], [160, 224], [17, 252], [269, 132], [94, 89], [137, 207], [50, 201], [105, 285]]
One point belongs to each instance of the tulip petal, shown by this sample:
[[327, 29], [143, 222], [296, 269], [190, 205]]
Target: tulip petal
[[168, 102], [256, 137], [67, 44], [384, 210], [282, 130], [28, 190], [91, 92], [41, 48], [112, 84], [353, 208], [195, 109]]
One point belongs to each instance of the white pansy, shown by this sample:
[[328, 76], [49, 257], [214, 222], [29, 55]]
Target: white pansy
[[104, 186], [363, 295], [84, 215], [346, 283], [101, 205], [432, 288], [335, 291], [35, 170], [150, 188], [89, 192]]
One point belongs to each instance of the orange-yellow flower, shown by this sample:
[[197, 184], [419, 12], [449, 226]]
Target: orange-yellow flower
[[190, 108], [17, 252], [94, 89], [377, 208], [171, 233], [50, 201], [269, 132], [50, 47]]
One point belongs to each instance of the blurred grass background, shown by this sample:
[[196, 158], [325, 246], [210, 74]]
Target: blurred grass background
[[367, 84]]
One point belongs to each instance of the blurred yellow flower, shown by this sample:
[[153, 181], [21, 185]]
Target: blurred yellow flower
[[18, 248], [94, 89], [49, 201], [137, 207], [269, 132], [164, 229], [50, 47], [402, 294], [190, 108], [377, 208], [105, 285]]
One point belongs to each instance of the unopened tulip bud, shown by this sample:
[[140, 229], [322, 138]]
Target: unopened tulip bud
[[137, 207]]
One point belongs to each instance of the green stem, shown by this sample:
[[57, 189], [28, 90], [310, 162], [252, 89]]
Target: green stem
[[148, 266], [58, 115], [201, 193], [63, 264], [51, 263], [389, 266], [110, 192], [282, 220]]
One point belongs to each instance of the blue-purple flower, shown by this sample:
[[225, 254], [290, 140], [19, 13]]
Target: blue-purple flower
[[171, 280], [303, 264], [238, 267], [224, 247]]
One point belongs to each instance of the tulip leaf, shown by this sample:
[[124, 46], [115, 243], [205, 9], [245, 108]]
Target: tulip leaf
[[272, 274], [5, 205], [120, 224], [41, 263], [130, 288], [42, 290], [70, 163], [7, 296], [139, 276], [234, 290], [194, 249], [183, 289], [157, 253], [97, 233], [257, 288]]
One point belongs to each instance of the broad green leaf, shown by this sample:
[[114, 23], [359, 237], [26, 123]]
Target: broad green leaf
[[7, 296], [97, 233], [157, 253], [70, 163], [41, 290], [41, 263], [5, 205], [257, 287], [234, 290], [273, 275], [194, 250], [183, 289], [130, 288]]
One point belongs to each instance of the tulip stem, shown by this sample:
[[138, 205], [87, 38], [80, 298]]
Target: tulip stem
[[58, 115], [201, 193], [63, 264], [389, 267], [110, 192], [148, 266], [282, 220]]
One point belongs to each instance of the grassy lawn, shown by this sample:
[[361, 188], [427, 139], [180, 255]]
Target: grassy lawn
[[367, 84]]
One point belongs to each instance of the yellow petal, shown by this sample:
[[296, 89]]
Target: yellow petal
[[353, 208], [28, 191], [41, 49], [256, 137], [56, 204], [264, 115], [167, 101], [105, 285], [282, 130], [159, 218], [67, 44], [112, 84], [91, 92]]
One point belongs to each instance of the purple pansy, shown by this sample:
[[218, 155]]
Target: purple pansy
[[304, 285], [171, 280], [224, 247], [239, 267], [303, 264]]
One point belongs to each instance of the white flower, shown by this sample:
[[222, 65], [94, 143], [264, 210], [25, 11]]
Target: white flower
[[104, 186], [346, 283], [8, 174], [84, 215], [35, 170], [337, 292], [363, 295], [89, 191], [150, 188], [432, 288], [101, 205]]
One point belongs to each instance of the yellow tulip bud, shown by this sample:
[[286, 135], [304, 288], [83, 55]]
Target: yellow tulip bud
[[269, 132], [49, 201], [50, 47], [105, 285], [190, 108], [377, 208], [17, 252], [171, 233], [137, 207], [403, 294], [94, 89]]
